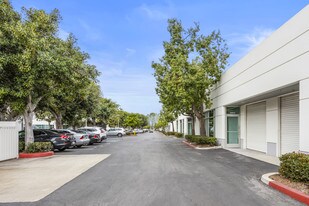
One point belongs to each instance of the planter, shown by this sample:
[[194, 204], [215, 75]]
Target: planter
[[35, 155]]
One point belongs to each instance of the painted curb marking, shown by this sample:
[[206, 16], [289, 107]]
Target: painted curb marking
[[293, 193], [35, 155]]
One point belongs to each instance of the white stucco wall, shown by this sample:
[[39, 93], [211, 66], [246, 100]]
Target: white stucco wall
[[304, 115], [280, 60]]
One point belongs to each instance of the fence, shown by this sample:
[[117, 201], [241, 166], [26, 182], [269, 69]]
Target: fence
[[9, 140]]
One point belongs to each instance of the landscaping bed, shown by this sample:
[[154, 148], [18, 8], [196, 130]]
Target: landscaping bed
[[300, 186], [201, 142]]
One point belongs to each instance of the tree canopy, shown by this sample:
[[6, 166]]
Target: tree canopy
[[190, 67]]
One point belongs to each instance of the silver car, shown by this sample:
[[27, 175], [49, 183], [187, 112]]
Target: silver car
[[80, 139], [96, 130], [116, 132]]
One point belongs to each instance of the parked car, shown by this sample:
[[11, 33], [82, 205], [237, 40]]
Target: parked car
[[138, 131], [94, 138], [80, 138], [116, 132], [97, 130], [151, 131], [59, 141]]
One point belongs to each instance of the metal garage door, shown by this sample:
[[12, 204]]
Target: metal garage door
[[289, 123], [256, 127]]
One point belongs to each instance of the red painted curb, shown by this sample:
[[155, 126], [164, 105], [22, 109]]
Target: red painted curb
[[35, 155], [300, 196], [187, 143]]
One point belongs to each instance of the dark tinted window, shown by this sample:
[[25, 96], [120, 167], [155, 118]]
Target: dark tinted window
[[50, 132], [38, 132]]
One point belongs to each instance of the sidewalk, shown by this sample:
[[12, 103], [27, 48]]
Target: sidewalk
[[256, 155], [29, 180]]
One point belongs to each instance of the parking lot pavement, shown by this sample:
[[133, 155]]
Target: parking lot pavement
[[152, 169], [29, 180]]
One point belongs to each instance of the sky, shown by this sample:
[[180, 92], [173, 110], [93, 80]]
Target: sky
[[123, 37]]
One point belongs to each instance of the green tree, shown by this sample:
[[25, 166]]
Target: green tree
[[152, 119], [78, 83], [27, 59], [168, 116], [191, 66], [105, 110]]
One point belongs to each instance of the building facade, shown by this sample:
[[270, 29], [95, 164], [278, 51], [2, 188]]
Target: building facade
[[262, 102]]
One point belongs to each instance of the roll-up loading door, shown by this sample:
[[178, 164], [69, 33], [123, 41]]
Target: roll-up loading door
[[289, 123], [256, 127]]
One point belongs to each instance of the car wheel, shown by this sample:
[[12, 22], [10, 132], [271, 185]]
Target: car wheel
[[61, 150], [119, 135], [79, 146]]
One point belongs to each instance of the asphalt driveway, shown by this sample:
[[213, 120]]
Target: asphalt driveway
[[151, 169]]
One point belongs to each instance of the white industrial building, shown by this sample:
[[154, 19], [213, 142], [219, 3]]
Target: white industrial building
[[262, 102]]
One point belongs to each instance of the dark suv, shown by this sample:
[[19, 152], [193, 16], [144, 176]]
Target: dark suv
[[59, 141]]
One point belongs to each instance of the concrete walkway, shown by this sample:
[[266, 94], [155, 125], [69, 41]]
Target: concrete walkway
[[29, 180], [256, 155]]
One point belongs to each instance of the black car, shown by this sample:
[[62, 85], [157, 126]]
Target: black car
[[59, 141]]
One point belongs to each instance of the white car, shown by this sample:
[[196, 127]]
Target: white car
[[96, 130], [116, 132]]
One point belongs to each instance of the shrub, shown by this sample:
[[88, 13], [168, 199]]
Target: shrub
[[189, 137], [203, 140], [170, 133], [39, 147], [212, 141], [21, 146], [179, 135], [295, 166]]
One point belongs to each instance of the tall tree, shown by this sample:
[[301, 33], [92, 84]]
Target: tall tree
[[105, 110], [191, 66], [26, 59], [76, 81]]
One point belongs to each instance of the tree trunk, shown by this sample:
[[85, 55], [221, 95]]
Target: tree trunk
[[28, 117], [173, 126], [59, 121], [193, 125], [198, 112], [202, 126]]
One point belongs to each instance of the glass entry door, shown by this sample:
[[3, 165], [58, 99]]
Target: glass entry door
[[232, 131]]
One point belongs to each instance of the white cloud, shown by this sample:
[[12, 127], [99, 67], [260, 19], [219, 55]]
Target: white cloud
[[242, 43], [249, 40], [257, 36], [153, 12]]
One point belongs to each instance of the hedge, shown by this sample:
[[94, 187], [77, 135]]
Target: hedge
[[179, 135], [202, 140], [295, 166], [39, 147]]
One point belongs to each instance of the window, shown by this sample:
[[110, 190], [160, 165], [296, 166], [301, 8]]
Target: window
[[233, 110], [210, 123], [189, 126]]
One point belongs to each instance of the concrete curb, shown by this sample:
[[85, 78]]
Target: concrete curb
[[35, 155], [201, 148], [293, 193]]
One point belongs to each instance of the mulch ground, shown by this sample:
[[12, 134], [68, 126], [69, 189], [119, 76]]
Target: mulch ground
[[300, 186]]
